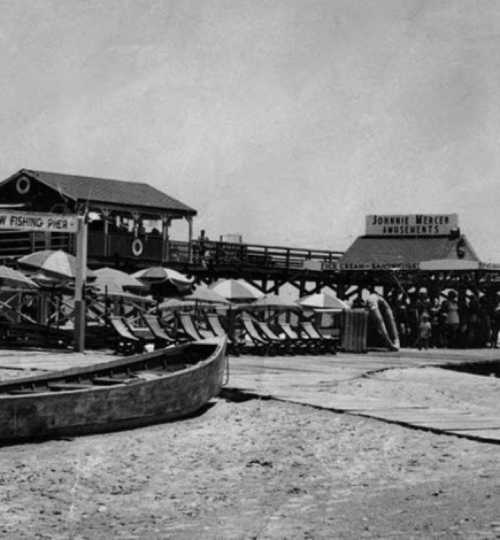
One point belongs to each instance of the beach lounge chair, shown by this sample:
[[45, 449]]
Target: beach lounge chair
[[258, 343], [157, 330], [142, 331], [126, 342], [189, 328], [329, 344], [282, 344], [216, 327], [301, 343]]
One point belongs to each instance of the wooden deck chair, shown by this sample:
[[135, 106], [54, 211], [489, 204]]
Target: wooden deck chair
[[143, 332], [215, 325], [259, 344], [189, 328], [329, 344], [282, 344], [157, 329], [304, 344], [126, 342]]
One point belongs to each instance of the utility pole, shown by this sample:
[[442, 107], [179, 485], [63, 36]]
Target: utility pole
[[80, 279]]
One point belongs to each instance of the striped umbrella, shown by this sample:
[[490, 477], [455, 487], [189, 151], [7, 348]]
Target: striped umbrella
[[322, 301], [159, 275], [205, 295], [56, 263], [117, 280], [15, 279], [236, 291]]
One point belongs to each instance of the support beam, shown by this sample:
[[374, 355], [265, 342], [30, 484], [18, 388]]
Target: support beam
[[261, 286], [302, 288], [341, 290], [277, 284]]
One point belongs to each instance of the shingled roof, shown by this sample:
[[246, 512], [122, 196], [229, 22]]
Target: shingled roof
[[406, 252], [105, 190]]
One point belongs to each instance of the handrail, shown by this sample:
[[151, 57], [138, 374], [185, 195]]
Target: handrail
[[306, 251], [205, 252]]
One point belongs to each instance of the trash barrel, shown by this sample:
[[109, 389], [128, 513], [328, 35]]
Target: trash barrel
[[355, 330]]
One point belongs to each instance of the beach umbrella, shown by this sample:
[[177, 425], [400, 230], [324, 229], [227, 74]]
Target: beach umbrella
[[54, 262], [15, 279], [117, 280], [120, 294], [159, 275], [274, 301], [205, 295], [127, 297], [176, 303], [322, 301], [235, 290]]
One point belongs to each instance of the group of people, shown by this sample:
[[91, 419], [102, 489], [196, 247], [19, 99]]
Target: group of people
[[454, 320]]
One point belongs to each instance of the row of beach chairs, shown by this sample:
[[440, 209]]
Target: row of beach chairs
[[260, 338], [131, 338], [253, 336]]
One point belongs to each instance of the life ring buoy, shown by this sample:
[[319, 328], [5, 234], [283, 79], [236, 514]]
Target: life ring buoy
[[23, 185], [137, 247], [383, 318]]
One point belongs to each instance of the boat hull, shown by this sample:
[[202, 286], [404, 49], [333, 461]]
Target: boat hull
[[100, 409]]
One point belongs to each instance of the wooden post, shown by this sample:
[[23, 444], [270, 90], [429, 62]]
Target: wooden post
[[80, 278], [190, 239], [302, 288], [105, 216], [165, 238]]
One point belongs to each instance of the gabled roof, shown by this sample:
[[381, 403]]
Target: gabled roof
[[105, 190], [405, 252]]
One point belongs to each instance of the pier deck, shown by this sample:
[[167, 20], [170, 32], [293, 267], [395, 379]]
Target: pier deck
[[406, 388]]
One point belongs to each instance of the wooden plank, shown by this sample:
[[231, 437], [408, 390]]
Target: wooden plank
[[105, 381], [67, 386]]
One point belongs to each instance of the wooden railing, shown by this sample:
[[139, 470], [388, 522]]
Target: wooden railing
[[206, 254], [259, 255], [17, 243]]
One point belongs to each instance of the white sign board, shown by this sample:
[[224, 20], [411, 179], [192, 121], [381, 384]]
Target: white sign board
[[411, 224], [37, 221]]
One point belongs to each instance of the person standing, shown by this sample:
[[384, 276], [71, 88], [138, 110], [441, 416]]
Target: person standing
[[435, 314], [424, 332], [495, 322], [452, 319]]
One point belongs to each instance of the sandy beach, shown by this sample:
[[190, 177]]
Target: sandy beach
[[258, 468]]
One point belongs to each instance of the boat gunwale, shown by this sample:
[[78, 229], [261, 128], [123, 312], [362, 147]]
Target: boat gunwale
[[219, 344]]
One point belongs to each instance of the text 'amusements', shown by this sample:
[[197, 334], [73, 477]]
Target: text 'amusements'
[[411, 224]]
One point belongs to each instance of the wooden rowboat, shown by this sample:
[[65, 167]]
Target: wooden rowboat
[[163, 385]]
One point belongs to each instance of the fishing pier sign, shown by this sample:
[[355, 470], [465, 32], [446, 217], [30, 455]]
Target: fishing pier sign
[[36, 221], [47, 222]]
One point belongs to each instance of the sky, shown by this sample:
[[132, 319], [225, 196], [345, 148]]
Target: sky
[[286, 121]]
